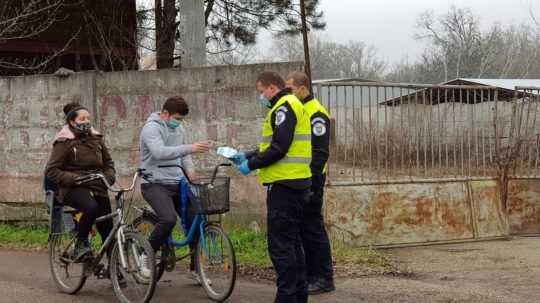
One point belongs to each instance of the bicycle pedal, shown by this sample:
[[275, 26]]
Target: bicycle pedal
[[170, 265], [86, 258]]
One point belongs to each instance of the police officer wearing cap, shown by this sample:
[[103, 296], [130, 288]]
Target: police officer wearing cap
[[320, 275], [283, 164]]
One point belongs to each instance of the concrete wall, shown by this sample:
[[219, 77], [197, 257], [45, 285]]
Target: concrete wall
[[223, 108]]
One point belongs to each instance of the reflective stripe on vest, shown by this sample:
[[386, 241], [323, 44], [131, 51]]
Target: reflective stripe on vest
[[296, 137], [288, 159], [296, 163]]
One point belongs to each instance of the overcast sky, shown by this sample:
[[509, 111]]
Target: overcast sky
[[389, 25]]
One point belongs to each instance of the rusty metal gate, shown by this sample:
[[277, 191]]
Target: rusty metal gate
[[431, 163], [387, 133]]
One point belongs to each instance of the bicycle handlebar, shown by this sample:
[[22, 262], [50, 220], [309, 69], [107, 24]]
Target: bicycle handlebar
[[98, 176]]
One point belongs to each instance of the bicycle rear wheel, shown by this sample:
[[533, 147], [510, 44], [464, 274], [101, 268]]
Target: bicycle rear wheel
[[216, 263], [68, 276], [136, 282]]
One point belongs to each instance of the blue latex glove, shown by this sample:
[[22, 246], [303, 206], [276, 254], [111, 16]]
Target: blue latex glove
[[244, 168], [239, 158]]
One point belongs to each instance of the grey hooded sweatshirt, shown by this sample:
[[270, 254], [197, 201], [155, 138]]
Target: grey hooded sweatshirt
[[162, 145]]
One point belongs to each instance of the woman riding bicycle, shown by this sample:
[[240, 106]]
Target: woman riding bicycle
[[79, 150]]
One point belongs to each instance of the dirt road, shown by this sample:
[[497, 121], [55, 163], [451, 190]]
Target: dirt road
[[498, 271]]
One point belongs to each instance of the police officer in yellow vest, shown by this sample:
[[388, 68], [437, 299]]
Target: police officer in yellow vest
[[320, 274], [282, 162]]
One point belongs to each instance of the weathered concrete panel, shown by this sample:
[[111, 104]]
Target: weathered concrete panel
[[524, 206], [398, 214], [22, 213], [489, 213]]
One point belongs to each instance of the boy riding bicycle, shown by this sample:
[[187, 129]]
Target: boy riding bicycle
[[162, 143]]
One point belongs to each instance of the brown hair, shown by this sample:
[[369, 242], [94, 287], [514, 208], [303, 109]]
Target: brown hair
[[71, 109], [176, 105], [268, 78], [299, 79]]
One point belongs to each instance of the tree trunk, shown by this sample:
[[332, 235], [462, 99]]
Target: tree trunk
[[165, 32]]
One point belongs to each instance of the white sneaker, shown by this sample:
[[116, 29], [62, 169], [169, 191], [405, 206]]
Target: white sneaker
[[143, 269], [193, 275]]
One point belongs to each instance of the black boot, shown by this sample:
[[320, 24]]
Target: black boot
[[82, 250], [321, 286]]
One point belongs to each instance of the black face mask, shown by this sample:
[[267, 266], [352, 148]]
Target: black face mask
[[83, 128]]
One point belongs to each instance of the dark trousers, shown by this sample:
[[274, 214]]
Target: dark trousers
[[284, 216], [315, 239], [165, 201], [91, 207]]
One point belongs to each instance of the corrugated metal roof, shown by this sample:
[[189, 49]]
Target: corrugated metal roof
[[504, 83]]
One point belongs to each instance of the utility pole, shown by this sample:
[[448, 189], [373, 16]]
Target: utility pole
[[192, 33], [307, 64]]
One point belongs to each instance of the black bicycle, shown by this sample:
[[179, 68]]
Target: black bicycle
[[131, 262]]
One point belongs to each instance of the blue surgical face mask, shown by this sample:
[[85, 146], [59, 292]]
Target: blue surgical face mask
[[173, 123], [264, 101]]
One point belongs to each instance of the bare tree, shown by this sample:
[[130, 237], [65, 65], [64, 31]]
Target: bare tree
[[332, 60], [456, 36], [458, 48], [107, 36], [242, 54], [25, 20]]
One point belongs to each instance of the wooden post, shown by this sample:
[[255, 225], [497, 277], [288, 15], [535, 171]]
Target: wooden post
[[307, 64]]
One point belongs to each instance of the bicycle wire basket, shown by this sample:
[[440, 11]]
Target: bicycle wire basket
[[209, 197]]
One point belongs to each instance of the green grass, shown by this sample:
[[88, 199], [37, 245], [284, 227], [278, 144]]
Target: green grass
[[250, 246], [33, 237], [367, 256]]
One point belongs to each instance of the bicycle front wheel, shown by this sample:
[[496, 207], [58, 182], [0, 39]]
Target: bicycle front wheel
[[216, 263], [134, 281], [68, 276]]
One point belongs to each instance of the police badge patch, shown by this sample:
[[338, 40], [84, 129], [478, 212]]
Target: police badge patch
[[280, 117], [319, 129]]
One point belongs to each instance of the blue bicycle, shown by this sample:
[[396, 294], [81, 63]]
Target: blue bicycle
[[210, 247]]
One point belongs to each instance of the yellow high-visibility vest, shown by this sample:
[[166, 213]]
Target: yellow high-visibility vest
[[296, 163]]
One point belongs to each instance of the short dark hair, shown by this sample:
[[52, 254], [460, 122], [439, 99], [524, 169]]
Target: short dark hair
[[71, 109], [299, 79], [268, 78], [176, 105]]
